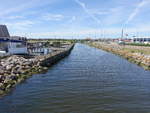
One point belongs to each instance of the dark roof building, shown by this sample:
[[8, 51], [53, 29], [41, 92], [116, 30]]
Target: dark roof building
[[5, 37], [141, 39], [4, 31], [12, 44]]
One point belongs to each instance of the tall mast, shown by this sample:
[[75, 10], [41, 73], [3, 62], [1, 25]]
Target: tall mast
[[122, 34]]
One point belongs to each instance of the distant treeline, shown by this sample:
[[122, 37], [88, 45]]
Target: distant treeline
[[56, 40]]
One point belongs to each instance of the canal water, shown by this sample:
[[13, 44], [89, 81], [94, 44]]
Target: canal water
[[89, 80]]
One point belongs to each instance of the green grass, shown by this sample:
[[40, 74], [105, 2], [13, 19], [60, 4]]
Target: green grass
[[138, 44]]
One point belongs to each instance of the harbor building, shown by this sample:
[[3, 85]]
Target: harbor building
[[4, 31], [11, 44], [4, 36], [141, 40]]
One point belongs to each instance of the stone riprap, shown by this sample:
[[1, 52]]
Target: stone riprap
[[15, 69], [135, 54]]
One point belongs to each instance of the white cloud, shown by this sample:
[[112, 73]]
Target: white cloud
[[114, 16], [137, 10], [72, 19], [53, 17], [83, 5], [14, 17], [101, 12], [19, 25], [25, 5], [109, 33], [18, 8]]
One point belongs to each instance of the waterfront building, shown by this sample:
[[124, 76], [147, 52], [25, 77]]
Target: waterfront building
[[11, 44], [17, 45], [4, 36], [4, 31], [141, 40]]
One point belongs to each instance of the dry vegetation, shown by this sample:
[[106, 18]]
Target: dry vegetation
[[137, 54]]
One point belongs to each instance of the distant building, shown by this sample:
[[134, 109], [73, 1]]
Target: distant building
[[12, 45], [120, 40], [141, 40]]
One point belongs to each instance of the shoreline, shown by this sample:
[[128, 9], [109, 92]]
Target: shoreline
[[15, 69], [135, 57]]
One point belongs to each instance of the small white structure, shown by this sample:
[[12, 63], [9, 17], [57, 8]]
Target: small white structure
[[17, 48]]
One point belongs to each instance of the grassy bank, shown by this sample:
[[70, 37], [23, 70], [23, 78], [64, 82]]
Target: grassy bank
[[135, 54]]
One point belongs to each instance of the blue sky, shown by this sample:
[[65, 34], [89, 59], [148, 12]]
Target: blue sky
[[75, 18]]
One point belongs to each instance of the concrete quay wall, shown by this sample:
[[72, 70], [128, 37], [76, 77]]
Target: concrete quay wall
[[15, 69]]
